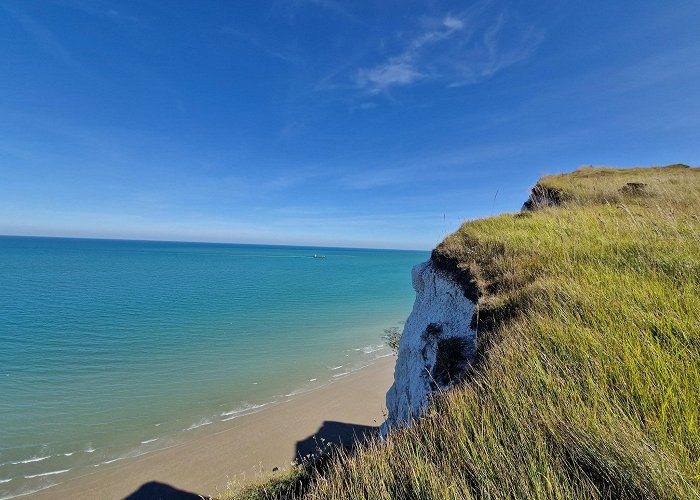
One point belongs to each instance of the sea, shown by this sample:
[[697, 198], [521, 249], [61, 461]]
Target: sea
[[111, 349]]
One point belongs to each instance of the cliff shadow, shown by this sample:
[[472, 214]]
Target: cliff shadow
[[154, 490], [339, 433]]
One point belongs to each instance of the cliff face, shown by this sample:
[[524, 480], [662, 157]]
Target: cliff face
[[436, 346]]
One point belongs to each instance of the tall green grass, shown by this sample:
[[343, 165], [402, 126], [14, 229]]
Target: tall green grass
[[587, 381]]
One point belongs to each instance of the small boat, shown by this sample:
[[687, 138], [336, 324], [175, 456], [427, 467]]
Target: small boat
[[316, 256]]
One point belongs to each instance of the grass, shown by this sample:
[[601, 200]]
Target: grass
[[587, 378]]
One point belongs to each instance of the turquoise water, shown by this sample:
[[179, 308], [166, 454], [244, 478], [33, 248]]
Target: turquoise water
[[111, 349]]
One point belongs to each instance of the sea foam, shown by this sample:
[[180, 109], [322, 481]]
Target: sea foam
[[196, 425], [30, 460], [52, 473], [246, 409]]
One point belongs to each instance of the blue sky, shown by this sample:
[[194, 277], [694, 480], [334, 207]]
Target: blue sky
[[381, 124]]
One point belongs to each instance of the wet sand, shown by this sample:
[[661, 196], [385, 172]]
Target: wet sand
[[246, 448]]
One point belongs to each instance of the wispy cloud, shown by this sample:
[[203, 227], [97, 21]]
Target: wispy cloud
[[396, 71], [450, 166], [454, 49], [255, 42], [98, 8], [45, 39], [333, 6], [435, 166]]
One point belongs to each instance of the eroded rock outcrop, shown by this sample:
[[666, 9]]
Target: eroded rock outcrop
[[543, 197], [436, 346]]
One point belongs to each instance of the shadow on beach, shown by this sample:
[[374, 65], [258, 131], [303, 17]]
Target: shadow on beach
[[339, 433], [160, 491], [330, 432]]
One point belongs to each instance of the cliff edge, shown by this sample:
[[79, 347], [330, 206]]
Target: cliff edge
[[550, 353]]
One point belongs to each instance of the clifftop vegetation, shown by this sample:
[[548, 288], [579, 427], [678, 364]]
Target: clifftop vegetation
[[588, 368]]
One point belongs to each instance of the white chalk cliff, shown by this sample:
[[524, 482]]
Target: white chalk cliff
[[436, 346]]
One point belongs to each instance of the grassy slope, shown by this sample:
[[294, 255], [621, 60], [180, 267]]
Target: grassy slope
[[588, 379]]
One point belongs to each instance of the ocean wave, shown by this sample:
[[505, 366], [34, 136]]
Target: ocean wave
[[313, 379], [3, 481], [30, 460], [52, 473], [341, 374], [369, 349], [132, 454], [110, 461], [243, 409], [68, 454], [196, 425], [149, 441], [336, 368]]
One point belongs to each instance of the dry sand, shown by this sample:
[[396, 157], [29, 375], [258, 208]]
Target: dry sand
[[246, 448]]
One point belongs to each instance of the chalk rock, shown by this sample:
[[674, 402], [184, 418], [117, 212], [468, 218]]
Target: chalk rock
[[436, 346]]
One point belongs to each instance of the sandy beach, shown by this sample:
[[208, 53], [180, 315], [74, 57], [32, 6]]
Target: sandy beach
[[246, 448]]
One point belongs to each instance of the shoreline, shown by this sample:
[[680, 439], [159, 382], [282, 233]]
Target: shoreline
[[247, 447]]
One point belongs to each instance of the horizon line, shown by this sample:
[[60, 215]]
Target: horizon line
[[146, 240]]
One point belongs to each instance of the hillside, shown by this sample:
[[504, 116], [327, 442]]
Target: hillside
[[585, 383]]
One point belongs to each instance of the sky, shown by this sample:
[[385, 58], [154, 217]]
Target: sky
[[325, 122]]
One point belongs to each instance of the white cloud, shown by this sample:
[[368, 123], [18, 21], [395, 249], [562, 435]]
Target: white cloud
[[403, 68], [453, 23], [454, 50], [392, 73]]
